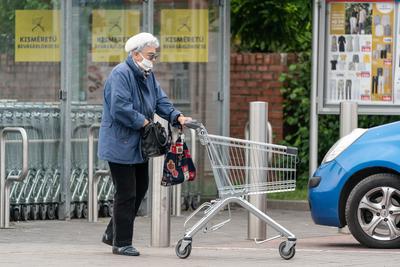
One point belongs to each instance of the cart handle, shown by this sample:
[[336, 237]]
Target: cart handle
[[193, 124]]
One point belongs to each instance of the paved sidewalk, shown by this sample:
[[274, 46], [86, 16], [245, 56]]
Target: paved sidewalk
[[77, 243]]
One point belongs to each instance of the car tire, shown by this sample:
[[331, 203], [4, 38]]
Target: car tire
[[373, 211]]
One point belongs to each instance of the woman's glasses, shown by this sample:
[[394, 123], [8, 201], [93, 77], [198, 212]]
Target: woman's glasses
[[152, 56]]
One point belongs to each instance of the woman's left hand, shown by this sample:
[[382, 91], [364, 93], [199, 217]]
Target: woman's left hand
[[182, 119]]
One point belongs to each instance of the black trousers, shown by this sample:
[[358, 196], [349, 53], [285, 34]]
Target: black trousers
[[131, 182]]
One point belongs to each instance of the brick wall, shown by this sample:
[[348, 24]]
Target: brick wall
[[255, 77], [29, 81]]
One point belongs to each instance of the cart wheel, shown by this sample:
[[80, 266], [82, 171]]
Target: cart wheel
[[34, 212], [24, 213], [194, 204], [186, 252], [42, 212], [56, 210], [72, 210], [101, 210], [111, 209], [85, 211], [11, 213], [286, 255], [16, 214], [105, 210], [51, 212], [78, 210], [185, 204]]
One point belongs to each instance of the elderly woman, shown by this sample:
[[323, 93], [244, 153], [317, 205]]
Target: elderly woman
[[131, 97]]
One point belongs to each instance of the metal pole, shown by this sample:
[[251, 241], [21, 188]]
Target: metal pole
[[194, 197], [148, 11], [65, 98], [93, 177], [193, 144], [348, 117], [160, 206], [258, 119], [224, 63], [91, 216], [348, 122], [269, 133], [313, 151], [6, 183], [176, 200], [148, 26]]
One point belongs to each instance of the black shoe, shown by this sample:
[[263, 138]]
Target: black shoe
[[107, 240], [127, 251]]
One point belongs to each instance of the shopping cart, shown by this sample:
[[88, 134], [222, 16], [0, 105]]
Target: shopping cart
[[242, 168]]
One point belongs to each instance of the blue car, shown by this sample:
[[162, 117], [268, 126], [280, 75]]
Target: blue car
[[358, 185]]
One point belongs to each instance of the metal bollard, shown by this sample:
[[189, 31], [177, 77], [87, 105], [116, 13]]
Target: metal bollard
[[257, 124], [348, 117], [5, 183], [348, 122], [176, 200], [93, 180], [160, 204]]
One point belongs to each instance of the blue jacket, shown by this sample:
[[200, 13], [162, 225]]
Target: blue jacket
[[129, 98]]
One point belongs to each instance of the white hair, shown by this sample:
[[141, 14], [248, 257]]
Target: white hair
[[140, 41]]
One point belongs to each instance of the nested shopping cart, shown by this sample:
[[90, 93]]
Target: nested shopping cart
[[242, 168]]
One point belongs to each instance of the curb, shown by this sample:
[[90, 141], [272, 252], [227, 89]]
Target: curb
[[288, 204]]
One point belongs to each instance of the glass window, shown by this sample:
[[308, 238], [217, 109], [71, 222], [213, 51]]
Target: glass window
[[30, 61], [100, 30], [103, 28], [188, 68], [30, 50]]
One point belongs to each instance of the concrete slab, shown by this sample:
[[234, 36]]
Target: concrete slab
[[77, 243]]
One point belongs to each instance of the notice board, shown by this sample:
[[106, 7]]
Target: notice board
[[361, 55]]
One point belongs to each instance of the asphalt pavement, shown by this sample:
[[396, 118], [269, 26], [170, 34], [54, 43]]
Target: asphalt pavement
[[77, 243]]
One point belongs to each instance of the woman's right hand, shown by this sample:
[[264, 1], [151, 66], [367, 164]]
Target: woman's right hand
[[182, 119]]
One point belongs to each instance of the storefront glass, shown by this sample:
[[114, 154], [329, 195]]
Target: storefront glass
[[30, 60], [57, 103], [188, 68]]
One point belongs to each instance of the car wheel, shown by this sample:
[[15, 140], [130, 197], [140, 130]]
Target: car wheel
[[373, 211]]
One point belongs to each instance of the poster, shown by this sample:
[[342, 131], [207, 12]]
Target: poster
[[110, 31], [37, 36], [184, 35], [360, 52]]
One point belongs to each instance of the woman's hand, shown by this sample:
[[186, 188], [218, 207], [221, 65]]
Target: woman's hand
[[182, 119]]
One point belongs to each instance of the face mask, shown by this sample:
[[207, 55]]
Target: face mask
[[145, 63]]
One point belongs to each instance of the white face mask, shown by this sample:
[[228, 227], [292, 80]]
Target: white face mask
[[146, 64]]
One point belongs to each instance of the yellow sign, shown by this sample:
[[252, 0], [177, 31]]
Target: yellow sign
[[110, 30], [37, 35], [338, 17], [184, 35]]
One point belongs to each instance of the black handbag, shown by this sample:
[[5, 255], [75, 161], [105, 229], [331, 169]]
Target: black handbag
[[154, 140]]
